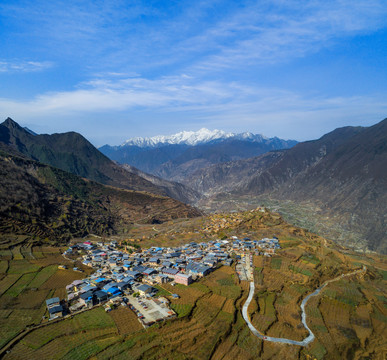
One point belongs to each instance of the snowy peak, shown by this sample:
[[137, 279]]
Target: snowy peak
[[191, 138], [184, 137]]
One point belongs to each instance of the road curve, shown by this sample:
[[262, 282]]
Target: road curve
[[311, 336]]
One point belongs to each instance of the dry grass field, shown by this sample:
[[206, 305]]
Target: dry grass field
[[126, 320]]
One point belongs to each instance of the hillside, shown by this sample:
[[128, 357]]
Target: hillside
[[48, 203], [268, 171], [173, 189], [71, 152], [350, 183], [340, 178]]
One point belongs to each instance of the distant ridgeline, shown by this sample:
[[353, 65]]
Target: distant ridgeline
[[177, 156]]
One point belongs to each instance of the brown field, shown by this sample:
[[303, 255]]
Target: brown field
[[61, 278], [216, 300], [229, 306], [125, 320], [361, 323], [188, 294]]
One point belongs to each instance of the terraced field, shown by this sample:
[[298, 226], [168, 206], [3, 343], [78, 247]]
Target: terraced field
[[349, 318], [26, 282]]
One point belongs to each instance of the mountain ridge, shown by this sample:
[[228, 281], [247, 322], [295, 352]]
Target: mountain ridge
[[73, 153], [192, 138]]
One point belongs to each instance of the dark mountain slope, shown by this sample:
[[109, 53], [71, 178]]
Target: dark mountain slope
[[350, 183], [73, 153], [146, 159], [342, 175], [43, 201], [269, 171], [173, 189]]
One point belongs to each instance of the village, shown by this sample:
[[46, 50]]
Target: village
[[134, 280]]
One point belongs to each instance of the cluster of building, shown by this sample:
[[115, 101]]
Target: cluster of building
[[266, 246], [119, 274]]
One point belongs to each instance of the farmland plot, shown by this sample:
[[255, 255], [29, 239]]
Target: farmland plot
[[229, 306], [7, 282], [216, 300], [336, 318], [43, 275], [61, 279], [16, 252], [361, 323]]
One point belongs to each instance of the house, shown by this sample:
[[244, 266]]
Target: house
[[86, 298], [109, 285], [89, 287], [127, 265], [145, 289], [162, 279], [134, 274], [123, 285], [139, 269], [77, 284], [228, 262], [183, 279], [55, 312], [99, 280], [100, 296], [149, 271], [198, 269], [53, 302], [113, 291], [175, 254], [154, 261], [169, 272]]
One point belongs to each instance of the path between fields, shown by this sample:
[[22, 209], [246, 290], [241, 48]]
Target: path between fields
[[311, 336]]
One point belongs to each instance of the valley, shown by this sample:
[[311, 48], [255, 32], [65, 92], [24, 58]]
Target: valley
[[334, 185]]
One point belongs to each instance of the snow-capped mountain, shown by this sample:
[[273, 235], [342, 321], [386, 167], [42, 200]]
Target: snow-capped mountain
[[178, 156], [191, 138]]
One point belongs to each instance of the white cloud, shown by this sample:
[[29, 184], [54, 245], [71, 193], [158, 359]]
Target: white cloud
[[23, 66], [229, 106], [276, 31], [140, 37]]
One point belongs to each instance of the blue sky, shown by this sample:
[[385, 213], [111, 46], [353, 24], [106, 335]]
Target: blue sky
[[112, 70]]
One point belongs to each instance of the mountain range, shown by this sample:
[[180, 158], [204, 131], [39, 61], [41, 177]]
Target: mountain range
[[340, 179], [177, 156]]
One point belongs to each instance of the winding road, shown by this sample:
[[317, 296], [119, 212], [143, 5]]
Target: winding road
[[311, 336]]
